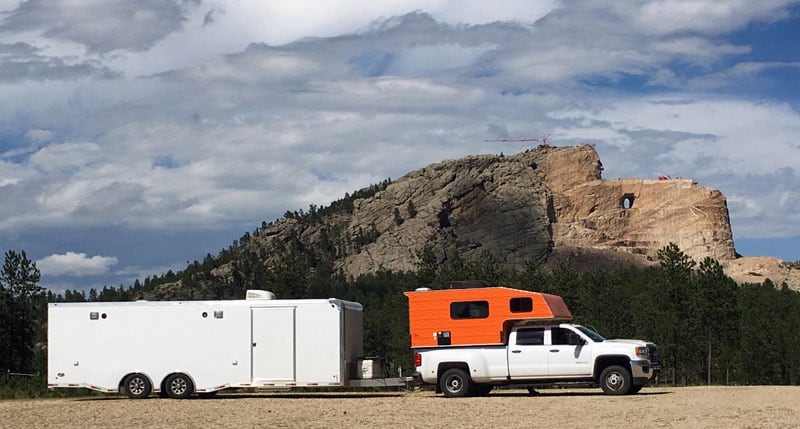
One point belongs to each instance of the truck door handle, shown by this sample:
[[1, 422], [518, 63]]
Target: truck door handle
[[516, 351], [254, 344], [554, 350]]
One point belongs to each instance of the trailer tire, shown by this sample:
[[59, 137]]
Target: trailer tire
[[137, 386], [179, 386], [455, 383], [616, 380]]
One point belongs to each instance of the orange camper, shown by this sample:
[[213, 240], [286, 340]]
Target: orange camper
[[478, 316]]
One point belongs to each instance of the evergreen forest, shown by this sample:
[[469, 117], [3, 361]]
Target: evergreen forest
[[709, 329]]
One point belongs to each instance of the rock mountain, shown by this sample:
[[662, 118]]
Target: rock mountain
[[544, 204]]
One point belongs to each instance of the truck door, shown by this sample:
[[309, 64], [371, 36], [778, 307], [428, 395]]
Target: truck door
[[273, 343], [527, 354], [567, 355]]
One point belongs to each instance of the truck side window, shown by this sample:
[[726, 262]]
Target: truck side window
[[469, 310], [521, 305], [561, 336], [530, 337]]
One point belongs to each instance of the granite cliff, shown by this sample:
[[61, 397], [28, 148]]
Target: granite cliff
[[544, 204]]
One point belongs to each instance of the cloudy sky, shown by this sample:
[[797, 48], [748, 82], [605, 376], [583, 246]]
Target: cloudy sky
[[137, 136]]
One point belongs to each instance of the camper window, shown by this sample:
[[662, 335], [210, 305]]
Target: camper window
[[469, 310], [521, 305]]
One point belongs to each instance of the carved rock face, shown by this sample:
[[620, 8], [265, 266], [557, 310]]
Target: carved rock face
[[522, 206]]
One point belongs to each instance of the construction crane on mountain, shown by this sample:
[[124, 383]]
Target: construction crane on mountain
[[542, 139]]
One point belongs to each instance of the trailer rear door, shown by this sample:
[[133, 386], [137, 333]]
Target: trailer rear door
[[273, 343]]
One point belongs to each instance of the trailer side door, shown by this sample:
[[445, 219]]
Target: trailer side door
[[273, 343]]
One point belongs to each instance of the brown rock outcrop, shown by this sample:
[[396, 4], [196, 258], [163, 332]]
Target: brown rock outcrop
[[540, 203], [642, 216], [522, 206]]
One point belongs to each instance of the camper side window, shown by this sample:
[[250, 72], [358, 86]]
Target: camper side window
[[469, 310], [521, 305]]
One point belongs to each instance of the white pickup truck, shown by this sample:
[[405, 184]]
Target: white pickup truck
[[540, 355]]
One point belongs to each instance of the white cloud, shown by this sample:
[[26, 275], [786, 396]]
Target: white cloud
[[703, 16], [75, 264], [39, 136], [230, 113]]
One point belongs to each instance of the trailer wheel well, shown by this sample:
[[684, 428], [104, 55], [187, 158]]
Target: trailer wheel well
[[604, 362], [122, 380]]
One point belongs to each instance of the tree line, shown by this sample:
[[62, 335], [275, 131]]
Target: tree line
[[708, 328]]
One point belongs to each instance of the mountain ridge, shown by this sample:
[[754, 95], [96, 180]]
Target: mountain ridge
[[544, 204]]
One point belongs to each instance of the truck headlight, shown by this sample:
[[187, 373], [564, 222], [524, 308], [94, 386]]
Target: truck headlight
[[642, 352]]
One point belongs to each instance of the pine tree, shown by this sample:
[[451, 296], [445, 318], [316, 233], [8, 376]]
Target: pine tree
[[21, 311]]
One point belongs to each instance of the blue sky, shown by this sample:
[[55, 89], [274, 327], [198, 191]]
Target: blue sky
[[137, 136]]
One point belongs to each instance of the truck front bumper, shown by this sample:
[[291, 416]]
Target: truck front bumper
[[644, 372]]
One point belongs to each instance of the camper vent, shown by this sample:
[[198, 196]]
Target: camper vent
[[259, 294]]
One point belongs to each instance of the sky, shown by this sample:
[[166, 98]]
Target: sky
[[136, 137]]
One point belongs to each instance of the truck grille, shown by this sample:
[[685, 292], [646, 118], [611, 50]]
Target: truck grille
[[653, 355]]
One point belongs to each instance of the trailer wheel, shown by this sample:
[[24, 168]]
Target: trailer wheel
[[178, 386], [455, 383], [615, 380], [136, 386]]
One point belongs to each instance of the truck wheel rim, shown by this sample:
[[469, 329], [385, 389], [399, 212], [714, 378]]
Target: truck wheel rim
[[614, 381], [455, 384]]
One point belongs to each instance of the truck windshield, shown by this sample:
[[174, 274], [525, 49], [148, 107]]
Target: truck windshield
[[591, 334]]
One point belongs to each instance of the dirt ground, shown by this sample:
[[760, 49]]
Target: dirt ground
[[688, 407]]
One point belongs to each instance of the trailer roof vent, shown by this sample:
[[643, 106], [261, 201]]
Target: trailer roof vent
[[422, 289], [259, 294]]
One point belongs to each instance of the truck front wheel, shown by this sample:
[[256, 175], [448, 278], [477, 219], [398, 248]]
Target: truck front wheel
[[455, 383], [615, 380]]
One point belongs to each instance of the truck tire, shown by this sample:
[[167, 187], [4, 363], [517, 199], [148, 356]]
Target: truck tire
[[616, 380], [136, 386], [635, 389], [178, 386], [455, 383]]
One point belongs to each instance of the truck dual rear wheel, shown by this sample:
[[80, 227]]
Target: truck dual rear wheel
[[136, 386], [616, 380], [178, 386], [455, 383]]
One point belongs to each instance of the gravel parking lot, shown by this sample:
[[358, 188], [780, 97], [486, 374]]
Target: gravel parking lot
[[700, 407]]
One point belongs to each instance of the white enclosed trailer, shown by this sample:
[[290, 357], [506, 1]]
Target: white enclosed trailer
[[176, 348]]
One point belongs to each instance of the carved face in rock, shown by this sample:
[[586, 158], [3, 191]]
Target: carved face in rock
[[598, 169]]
